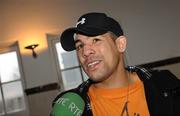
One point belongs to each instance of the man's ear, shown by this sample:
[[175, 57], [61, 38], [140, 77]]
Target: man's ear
[[121, 42]]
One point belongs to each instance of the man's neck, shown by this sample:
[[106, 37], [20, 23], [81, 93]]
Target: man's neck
[[121, 78], [129, 79]]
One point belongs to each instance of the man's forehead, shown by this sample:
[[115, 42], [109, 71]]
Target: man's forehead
[[79, 36], [76, 36]]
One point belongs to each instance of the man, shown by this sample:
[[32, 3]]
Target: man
[[112, 89]]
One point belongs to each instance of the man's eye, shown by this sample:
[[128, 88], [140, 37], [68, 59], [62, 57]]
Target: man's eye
[[78, 47], [95, 40]]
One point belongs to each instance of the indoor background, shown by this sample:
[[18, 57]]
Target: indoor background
[[151, 26]]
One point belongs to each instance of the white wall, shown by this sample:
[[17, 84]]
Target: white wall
[[152, 28]]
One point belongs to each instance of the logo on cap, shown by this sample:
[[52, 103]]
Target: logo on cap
[[82, 21]]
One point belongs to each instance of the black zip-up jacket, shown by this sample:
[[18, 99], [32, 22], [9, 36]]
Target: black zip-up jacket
[[162, 91]]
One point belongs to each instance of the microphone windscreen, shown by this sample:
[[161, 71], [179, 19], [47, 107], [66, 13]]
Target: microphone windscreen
[[69, 104]]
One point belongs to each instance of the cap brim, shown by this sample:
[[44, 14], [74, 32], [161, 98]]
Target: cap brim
[[67, 37]]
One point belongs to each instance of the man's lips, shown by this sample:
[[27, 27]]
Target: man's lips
[[93, 64]]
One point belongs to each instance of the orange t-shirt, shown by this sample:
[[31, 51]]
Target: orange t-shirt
[[110, 102]]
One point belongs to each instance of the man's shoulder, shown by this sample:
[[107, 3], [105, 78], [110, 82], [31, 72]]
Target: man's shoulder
[[165, 78], [160, 78]]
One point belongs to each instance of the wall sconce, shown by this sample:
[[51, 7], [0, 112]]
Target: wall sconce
[[32, 47]]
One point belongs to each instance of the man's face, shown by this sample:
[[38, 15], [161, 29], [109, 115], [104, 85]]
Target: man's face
[[98, 56]]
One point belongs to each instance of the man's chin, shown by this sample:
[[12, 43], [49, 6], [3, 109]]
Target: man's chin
[[95, 80]]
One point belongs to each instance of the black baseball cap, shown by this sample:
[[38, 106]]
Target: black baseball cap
[[90, 24]]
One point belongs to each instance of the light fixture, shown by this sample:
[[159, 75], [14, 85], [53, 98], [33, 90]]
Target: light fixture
[[32, 47]]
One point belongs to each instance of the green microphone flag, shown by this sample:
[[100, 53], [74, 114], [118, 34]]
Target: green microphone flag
[[70, 104]]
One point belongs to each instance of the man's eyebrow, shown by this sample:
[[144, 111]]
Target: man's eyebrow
[[76, 41]]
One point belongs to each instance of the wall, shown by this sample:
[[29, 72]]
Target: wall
[[152, 28]]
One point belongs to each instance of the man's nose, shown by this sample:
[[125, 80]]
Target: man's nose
[[88, 50]]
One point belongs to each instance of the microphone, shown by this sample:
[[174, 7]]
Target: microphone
[[69, 104]]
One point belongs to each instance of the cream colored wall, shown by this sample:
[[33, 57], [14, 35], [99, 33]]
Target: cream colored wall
[[152, 28]]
